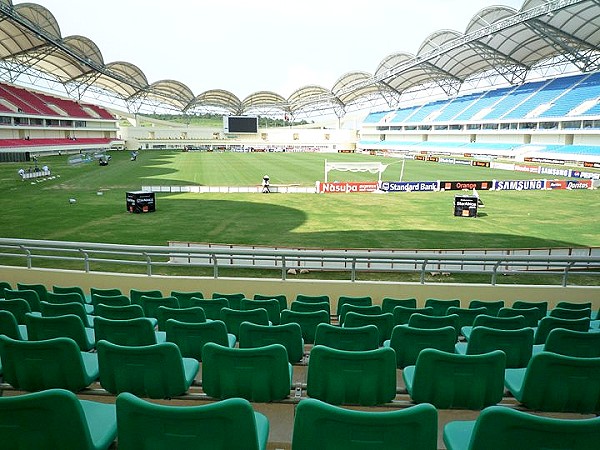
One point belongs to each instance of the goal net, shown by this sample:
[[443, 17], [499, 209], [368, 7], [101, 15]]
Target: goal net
[[370, 167]]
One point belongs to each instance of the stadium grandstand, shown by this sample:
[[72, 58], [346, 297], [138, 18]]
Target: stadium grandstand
[[514, 85]]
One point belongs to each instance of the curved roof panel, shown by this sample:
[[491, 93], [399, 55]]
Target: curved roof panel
[[265, 99], [311, 97], [172, 92], [219, 98], [134, 79]]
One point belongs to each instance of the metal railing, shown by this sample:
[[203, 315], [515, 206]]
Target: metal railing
[[84, 256]]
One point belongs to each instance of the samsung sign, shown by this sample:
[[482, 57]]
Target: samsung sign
[[520, 185], [408, 186]]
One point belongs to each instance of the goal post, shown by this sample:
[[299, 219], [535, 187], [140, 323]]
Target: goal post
[[371, 167]]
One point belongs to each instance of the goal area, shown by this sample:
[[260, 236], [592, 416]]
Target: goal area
[[371, 167]]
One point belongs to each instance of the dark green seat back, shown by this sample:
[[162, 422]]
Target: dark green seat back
[[389, 303], [493, 306], [130, 332], [352, 339], [362, 309], [135, 295], [30, 296], [282, 298], [56, 419], [4, 285], [150, 305], [516, 344], [234, 299], [186, 298], [18, 307], [440, 306], [272, 306], [119, 312], [154, 371], [228, 424], [69, 326], [40, 289], [320, 425], [349, 300], [312, 298], [449, 380], [191, 337], [568, 313], [66, 297], [105, 291], [308, 322], [234, 317], [424, 321], [69, 290], [384, 323], [300, 306], [408, 342], [61, 309], [557, 383], [466, 316], [364, 378], [500, 323], [582, 344], [542, 307], [47, 364], [499, 428], [260, 374], [288, 335], [531, 315], [212, 307], [189, 315], [9, 326], [402, 313], [548, 324], [110, 300], [573, 305]]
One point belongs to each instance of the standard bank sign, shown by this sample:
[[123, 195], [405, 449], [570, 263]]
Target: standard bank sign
[[408, 186]]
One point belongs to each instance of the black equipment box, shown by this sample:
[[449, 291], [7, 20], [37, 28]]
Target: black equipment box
[[465, 205], [140, 202]]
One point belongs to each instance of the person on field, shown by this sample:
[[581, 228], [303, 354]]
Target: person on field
[[265, 185]]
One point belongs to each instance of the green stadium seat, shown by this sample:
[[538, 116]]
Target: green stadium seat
[[234, 300], [581, 344], [191, 337], [449, 380], [110, 300], [318, 425], [190, 315], [106, 292], [549, 323], [466, 316], [402, 313], [56, 419], [384, 323], [155, 371], [351, 339], [135, 295], [288, 335], [568, 313], [557, 383], [493, 306], [129, 332], [349, 300], [501, 428], [30, 296], [39, 288], [69, 326], [531, 315], [362, 309], [47, 364], [542, 307], [424, 321], [186, 298], [150, 305], [389, 303], [282, 298], [300, 306], [70, 289], [212, 307], [408, 342], [312, 298], [18, 307], [68, 297], [573, 305], [261, 374], [499, 323], [4, 285], [308, 322], [365, 378], [61, 309], [9, 326], [232, 318], [229, 424], [440, 306], [516, 344], [121, 312], [272, 306]]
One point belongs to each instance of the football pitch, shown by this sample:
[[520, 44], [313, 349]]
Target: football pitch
[[510, 219]]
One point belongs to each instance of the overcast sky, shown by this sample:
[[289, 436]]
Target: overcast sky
[[247, 46]]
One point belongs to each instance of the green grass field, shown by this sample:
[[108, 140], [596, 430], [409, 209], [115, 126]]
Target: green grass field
[[402, 220]]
